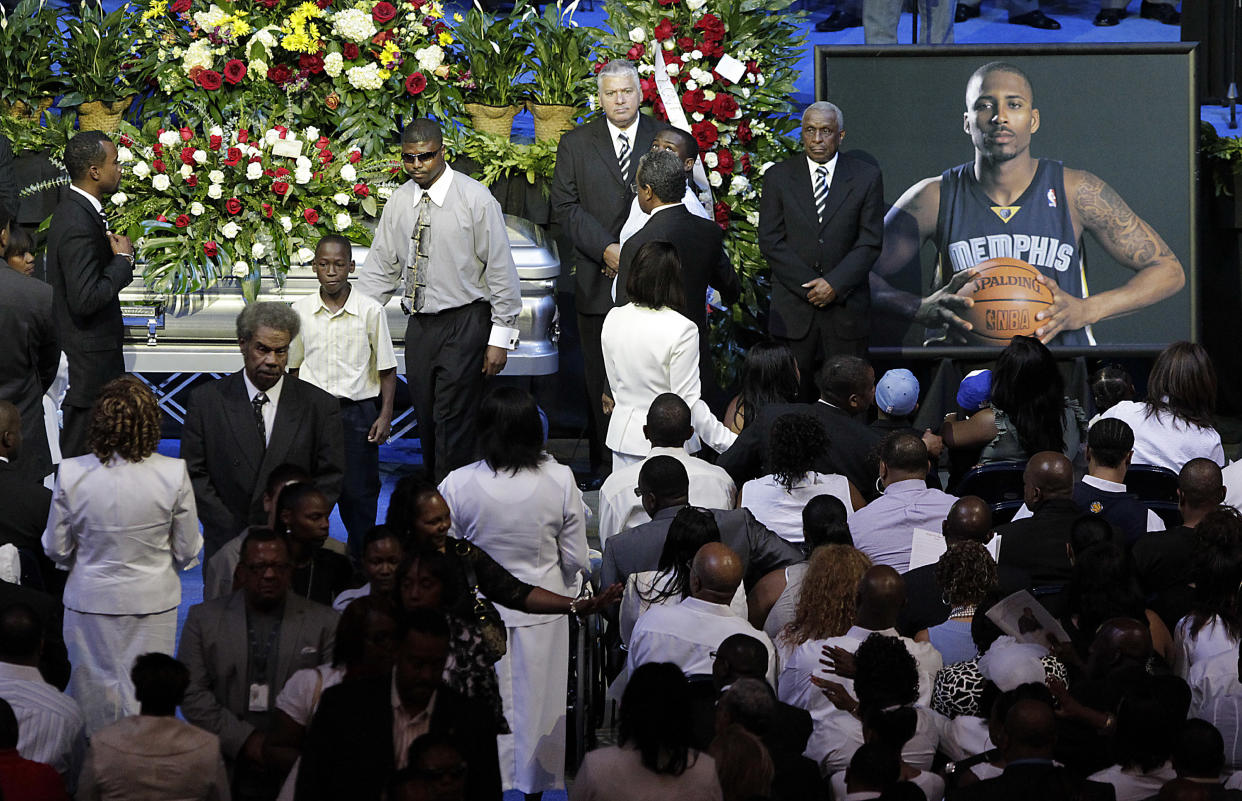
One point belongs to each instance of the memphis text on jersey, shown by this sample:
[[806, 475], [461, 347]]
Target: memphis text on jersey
[[1041, 251]]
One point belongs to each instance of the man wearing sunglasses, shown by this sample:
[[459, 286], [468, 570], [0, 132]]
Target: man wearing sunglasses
[[442, 242]]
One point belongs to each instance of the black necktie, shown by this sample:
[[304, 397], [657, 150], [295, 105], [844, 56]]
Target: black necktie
[[258, 401], [104, 217]]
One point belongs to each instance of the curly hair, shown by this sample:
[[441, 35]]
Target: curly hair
[[887, 674], [796, 441], [826, 603], [966, 572], [125, 420]]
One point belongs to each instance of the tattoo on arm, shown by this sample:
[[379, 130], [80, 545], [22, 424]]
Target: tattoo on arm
[[1119, 229]]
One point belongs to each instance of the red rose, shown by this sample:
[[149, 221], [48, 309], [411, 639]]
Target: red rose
[[658, 108], [209, 80], [636, 52], [280, 187], [210, 248], [650, 92], [192, 181], [597, 66], [322, 142], [281, 172], [232, 156], [349, 51], [745, 162], [416, 83], [215, 142], [355, 156], [325, 156], [362, 190], [157, 148], [267, 209], [161, 218], [180, 6], [311, 216], [668, 2], [721, 211], [685, 44], [243, 136], [182, 220], [280, 74], [417, 4], [234, 71], [323, 3], [752, 67], [694, 101], [664, 30], [744, 134], [187, 156], [269, 172], [711, 26], [383, 12], [712, 48], [724, 106], [724, 161], [705, 134], [233, 205], [158, 165], [186, 134], [311, 63], [126, 140]]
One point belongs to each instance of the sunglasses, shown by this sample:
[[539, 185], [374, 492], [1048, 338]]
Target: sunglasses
[[419, 158]]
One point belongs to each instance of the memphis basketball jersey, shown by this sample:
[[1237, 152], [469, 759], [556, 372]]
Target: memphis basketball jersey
[[1037, 229]]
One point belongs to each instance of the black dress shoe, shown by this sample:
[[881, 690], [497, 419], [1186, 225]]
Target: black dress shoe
[[838, 21], [1036, 19], [1160, 12], [1108, 17], [965, 12]]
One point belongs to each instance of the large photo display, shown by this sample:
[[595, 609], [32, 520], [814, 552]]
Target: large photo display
[[1042, 191]]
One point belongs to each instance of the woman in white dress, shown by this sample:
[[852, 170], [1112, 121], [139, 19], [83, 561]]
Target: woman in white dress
[[776, 500], [525, 510], [123, 521], [651, 348]]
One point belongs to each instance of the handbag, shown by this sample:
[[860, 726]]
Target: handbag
[[491, 626]]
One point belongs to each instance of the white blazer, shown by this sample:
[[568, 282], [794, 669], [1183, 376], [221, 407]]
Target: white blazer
[[648, 352], [123, 529]]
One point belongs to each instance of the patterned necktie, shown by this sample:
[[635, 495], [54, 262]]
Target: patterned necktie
[[104, 217], [257, 402], [416, 277], [623, 157], [821, 192]]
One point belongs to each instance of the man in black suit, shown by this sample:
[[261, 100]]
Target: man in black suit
[[699, 244], [595, 168], [821, 221], [29, 359], [87, 266], [352, 749], [969, 519], [846, 391], [239, 428], [1034, 548]]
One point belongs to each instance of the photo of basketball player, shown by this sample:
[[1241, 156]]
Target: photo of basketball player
[[1007, 203]]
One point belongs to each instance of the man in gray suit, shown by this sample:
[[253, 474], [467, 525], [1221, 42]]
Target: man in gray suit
[[664, 485], [241, 650]]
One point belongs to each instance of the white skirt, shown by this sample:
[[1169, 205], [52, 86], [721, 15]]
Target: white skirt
[[534, 675], [102, 650]]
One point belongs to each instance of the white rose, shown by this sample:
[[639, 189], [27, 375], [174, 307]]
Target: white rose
[[215, 192], [691, 86], [333, 64], [142, 169], [170, 138], [302, 163], [119, 199], [254, 171], [348, 173], [752, 217], [216, 176], [240, 269], [310, 134], [696, 54], [739, 185], [230, 230], [709, 94], [340, 199], [257, 250], [302, 176], [745, 93], [669, 44], [429, 57], [672, 68], [710, 159], [305, 256], [272, 136], [638, 34], [216, 130], [197, 209], [124, 155], [342, 221], [186, 171], [286, 223], [161, 182], [698, 115], [384, 192], [714, 179]]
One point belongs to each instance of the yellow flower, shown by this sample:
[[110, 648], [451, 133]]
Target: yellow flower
[[157, 9], [384, 75], [239, 26], [457, 17], [446, 38], [435, 11]]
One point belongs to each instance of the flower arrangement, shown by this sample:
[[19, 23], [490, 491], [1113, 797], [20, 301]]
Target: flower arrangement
[[560, 49], [27, 76], [232, 201], [733, 64], [96, 56], [495, 49], [353, 69]]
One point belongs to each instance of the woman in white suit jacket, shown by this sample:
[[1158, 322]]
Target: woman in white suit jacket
[[651, 348], [123, 522], [525, 510]]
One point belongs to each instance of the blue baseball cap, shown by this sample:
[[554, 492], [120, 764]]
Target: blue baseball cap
[[897, 392], [975, 391]]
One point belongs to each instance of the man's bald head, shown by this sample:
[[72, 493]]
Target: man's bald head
[[1200, 485], [1120, 641], [881, 595], [1048, 475], [715, 573], [1030, 731], [970, 518], [668, 421]]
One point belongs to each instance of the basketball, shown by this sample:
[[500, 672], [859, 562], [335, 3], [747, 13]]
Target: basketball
[[1007, 296]]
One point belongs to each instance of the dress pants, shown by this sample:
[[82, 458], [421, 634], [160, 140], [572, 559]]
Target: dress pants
[[444, 370], [813, 350], [359, 501], [880, 19], [590, 333]]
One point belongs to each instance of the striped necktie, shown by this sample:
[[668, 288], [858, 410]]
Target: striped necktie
[[821, 192], [623, 157], [257, 402]]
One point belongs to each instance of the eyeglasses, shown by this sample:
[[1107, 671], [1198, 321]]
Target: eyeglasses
[[419, 158], [259, 568]]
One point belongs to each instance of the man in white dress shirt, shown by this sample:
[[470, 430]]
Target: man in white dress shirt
[[50, 722], [686, 148], [668, 428], [688, 633]]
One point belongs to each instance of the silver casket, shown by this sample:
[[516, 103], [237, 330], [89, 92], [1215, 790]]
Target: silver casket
[[196, 333]]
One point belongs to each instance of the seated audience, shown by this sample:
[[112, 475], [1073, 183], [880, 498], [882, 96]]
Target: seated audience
[[896, 401], [652, 760], [1146, 726], [1199, 759], [777, 499], [1109, 386], [381, 556], [1164, 560], [1214, 623], [153, 754], [824, 598], [1033, 551], [435, 769], [743, 765], [50, 722], [241, 649], [667, 428], [24, 779], [884, 528], [303, 517], [769, 376], [971, 741], [967, 574], [749, 702], [54, 660], [874, 769], [969, 520], [688, 632], [1174, 424], [362, 732], [772, 601]]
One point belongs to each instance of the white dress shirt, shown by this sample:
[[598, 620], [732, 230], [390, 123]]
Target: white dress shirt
[[269, 408], [407, 728], [780, 509], [638, 218], [342, 352], [631, 134], [620, 509], [94, 201], [49, 723], [687, 633], [831, 164]]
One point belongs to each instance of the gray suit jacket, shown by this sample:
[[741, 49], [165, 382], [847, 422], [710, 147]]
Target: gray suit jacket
[[639, 548], [215, 649]]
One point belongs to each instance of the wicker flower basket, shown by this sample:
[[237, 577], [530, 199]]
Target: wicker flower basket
[[21, 111], [99, 115], [494, 120], [552, 121]]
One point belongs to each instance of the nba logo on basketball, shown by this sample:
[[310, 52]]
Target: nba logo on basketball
[[1052, 198]]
